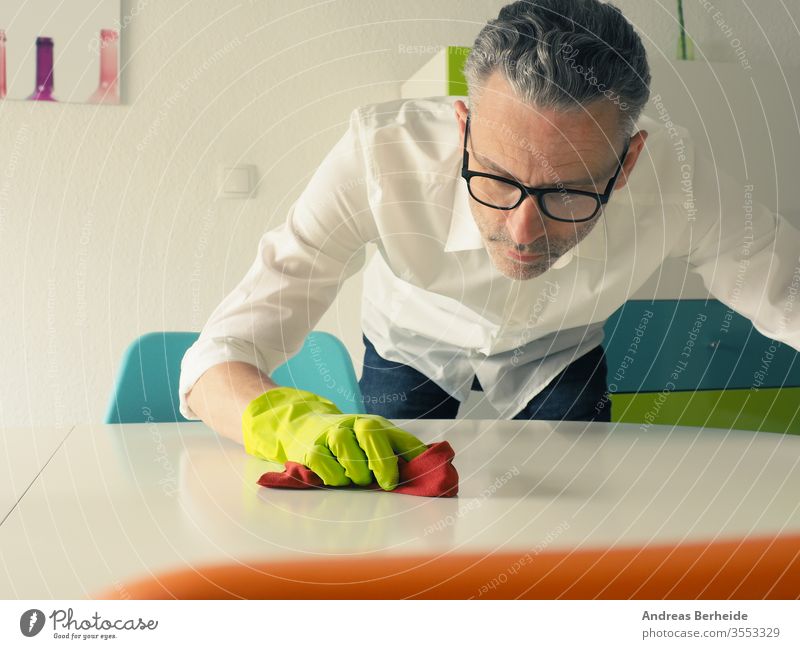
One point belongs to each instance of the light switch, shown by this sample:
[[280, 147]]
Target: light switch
[[236, 182]]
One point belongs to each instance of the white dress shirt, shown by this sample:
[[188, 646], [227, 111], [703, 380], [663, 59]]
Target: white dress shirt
[[433, 299]]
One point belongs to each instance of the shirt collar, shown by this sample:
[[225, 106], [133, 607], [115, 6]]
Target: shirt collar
[[465, 235], [595, 244]]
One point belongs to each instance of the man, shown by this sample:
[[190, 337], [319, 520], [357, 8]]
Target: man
[[507, 232]]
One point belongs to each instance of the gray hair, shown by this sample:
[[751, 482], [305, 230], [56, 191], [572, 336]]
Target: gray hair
[[564, 54]]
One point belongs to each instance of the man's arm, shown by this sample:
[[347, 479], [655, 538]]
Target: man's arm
[[221, 394], [747, 256], [298, 270]]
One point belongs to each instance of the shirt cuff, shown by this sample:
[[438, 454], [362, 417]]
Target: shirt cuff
[[206, 353]]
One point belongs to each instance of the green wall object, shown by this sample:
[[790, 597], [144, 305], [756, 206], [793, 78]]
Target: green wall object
[[456, 83], [685, 45]]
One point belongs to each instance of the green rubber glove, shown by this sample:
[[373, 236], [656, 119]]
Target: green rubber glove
[[287, 424]]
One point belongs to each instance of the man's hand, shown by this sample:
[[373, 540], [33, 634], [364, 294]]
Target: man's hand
[[286, 424]]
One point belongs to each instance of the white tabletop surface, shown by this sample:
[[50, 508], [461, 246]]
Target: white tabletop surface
[[117, 502], [25, 452]]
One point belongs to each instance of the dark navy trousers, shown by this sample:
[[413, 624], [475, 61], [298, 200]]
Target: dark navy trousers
[[397, 391]]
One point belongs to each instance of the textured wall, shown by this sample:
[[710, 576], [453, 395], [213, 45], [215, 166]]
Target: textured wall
[[108, 220]]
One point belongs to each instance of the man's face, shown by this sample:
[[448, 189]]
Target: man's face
[[539, 148]]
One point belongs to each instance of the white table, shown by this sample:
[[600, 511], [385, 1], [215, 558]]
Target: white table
[[24, 453], [118, 502]]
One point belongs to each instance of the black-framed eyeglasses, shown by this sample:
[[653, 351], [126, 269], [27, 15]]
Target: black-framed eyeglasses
[[558, 203]]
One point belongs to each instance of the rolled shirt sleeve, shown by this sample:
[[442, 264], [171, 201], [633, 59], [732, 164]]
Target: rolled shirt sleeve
[[296, 274], [747, 256]]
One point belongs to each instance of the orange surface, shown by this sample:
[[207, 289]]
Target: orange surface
[[754, 568]]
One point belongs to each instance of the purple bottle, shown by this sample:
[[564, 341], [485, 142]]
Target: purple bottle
[[44, 70]]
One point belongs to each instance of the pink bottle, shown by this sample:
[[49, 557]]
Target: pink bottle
[[44, 70], [2, 63], [106, 92]]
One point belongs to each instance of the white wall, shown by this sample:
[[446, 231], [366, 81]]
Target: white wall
[[108, 221]]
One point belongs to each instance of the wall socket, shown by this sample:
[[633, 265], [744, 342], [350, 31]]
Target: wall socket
[[236, 181]]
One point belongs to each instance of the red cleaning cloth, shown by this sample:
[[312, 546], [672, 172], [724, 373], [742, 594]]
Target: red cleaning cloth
[[431, 473]]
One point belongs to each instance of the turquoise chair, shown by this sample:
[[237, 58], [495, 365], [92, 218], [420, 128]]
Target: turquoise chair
[[147, 384]]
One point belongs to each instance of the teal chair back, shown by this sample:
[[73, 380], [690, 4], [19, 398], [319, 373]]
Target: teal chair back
[[147, 383]]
